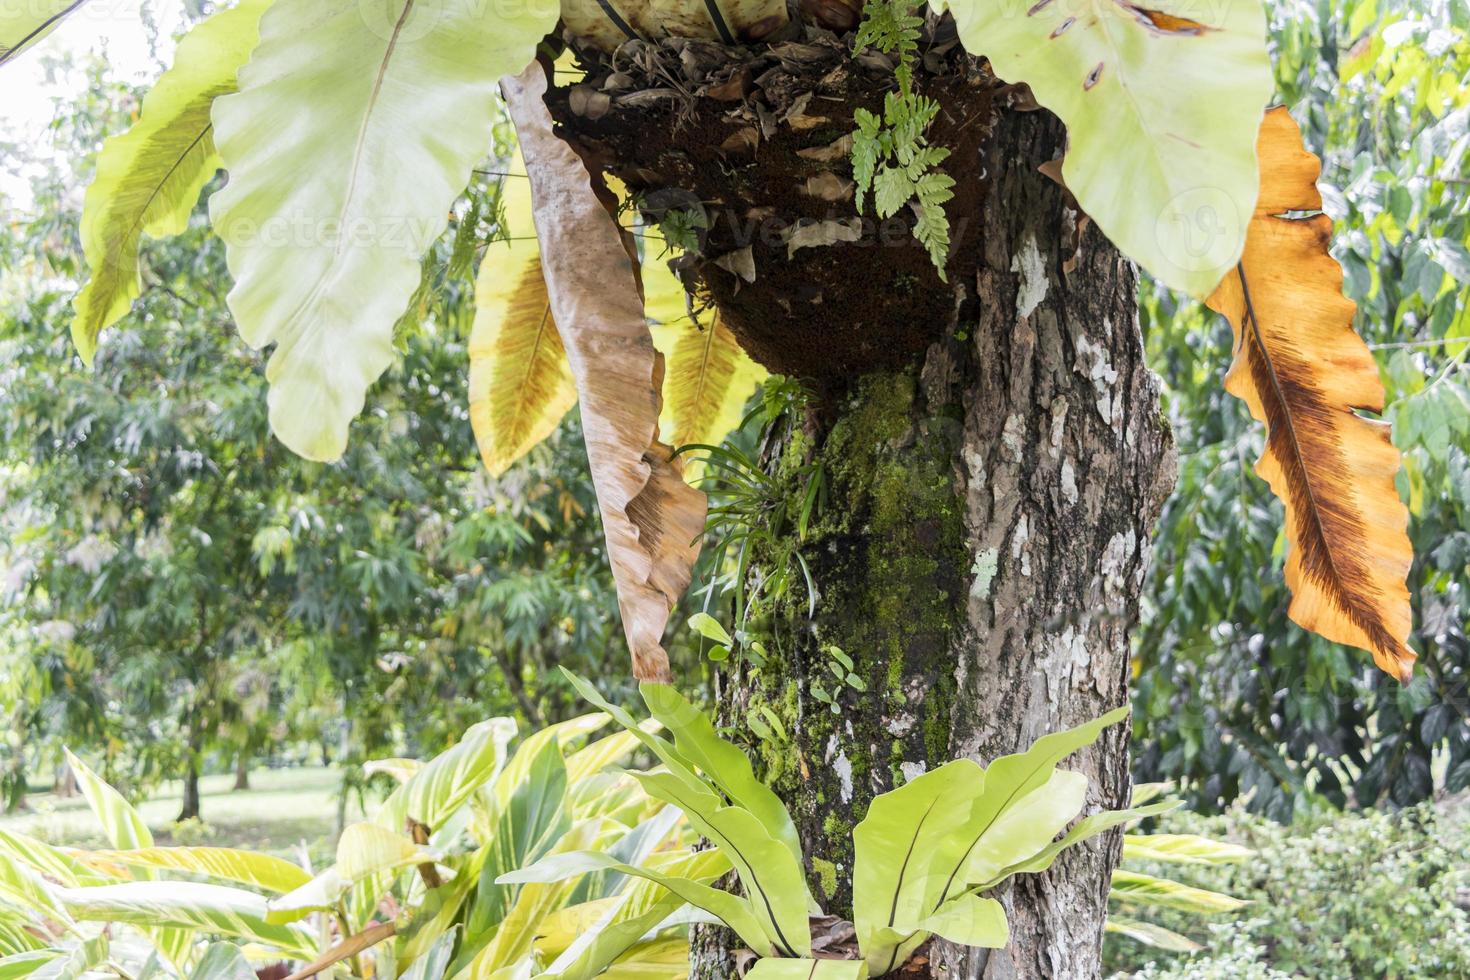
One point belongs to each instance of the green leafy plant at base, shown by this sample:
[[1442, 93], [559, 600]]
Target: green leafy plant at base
[[753, 512], [926, 853], [891, 159], [415, 891]]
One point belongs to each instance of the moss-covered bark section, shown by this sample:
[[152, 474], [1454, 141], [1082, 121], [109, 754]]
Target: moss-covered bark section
[[888, 553]]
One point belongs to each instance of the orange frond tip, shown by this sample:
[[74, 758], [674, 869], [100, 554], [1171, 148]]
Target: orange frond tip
[[1303, 372]]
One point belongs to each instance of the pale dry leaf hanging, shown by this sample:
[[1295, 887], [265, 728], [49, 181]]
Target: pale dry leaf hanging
[[1306, 374], [651, 518], [521, 385]]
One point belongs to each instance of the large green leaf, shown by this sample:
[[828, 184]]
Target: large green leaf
[[970, 921], [355, 128], [771, 876], [149, 177], [120, 822], [735, 912], [442, 786], [207, 909], [1161, 111], [252, 868], [900, 841], [24, 22], [527, 827], [721, 762]]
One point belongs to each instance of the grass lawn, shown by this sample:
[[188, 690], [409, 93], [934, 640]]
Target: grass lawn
[[282, 809]]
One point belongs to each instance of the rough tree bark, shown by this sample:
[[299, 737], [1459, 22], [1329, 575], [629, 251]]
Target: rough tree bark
[[989, 514], [995, 461]]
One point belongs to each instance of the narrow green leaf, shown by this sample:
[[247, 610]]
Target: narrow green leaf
[[1183, 849], [723, 763]]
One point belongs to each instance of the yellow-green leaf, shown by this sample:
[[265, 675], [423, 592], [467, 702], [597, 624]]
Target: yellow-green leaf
[[520, 382], [1161, 112], [149, 177]]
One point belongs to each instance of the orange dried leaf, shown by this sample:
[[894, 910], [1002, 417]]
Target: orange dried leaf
[[1305, 374], [650, 517]]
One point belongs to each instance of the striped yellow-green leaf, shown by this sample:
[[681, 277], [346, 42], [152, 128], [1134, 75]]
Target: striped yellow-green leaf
[[708, 377], [252, 868], [520, 382], [22, 887], [657, 959], [355, 127], [26, 962], [708, 380], [24, 22], [149, 177], [1161, 101], [442, 786], [76, 962], [211, 910], [223, 961], [121, 824], [1135, 888], [1150, 934], [1183, 849]]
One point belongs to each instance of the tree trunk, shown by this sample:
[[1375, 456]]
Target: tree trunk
[[65, 786], [242, 770], [190, 809], [979, 559], [992, 447]]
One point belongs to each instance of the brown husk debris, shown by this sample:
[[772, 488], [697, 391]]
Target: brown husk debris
[[756, 139]]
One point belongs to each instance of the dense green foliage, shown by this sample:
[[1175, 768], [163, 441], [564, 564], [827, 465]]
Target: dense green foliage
[[1232, 698], [180, 583], [1354, 895]]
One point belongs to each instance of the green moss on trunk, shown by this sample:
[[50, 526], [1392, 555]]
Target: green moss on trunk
[[888, 552]]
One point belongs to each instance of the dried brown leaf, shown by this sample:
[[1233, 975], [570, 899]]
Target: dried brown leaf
[[651, 518], [1306, 374]]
